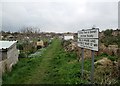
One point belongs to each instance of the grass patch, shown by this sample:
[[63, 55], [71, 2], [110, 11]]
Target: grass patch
[[21, 70]]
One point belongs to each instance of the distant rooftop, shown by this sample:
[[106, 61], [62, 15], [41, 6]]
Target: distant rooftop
[[6, 44]]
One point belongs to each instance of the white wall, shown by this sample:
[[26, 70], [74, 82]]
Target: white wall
[[12, 57], [68, 37]]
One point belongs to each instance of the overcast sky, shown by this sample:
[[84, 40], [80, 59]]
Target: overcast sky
[[59, 15]]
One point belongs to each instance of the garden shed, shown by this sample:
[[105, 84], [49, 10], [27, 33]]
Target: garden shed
[[8, 55]]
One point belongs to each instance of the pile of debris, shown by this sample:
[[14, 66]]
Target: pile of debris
[[104, 62], [106, 71], [69, 45], [112, 50]]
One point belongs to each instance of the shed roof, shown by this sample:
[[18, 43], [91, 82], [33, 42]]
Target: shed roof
[[6, 44]]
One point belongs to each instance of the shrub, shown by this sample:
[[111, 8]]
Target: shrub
[[22, 55], [104, 54], [19, 46], [111, 58], [108, 32]]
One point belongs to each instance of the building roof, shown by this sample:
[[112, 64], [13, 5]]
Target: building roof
[[6, 44]]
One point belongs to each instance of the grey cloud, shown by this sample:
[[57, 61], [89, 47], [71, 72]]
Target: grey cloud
[[59, 16]]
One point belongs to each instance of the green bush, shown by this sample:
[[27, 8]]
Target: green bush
[[108, 32], [22, 55], [32, 50], [20, 46], [104, 54], [109, 39], [112, 58]]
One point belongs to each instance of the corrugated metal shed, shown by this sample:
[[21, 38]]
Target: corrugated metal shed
[[6, 44]]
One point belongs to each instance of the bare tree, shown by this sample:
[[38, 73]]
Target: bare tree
[[30, 30]]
